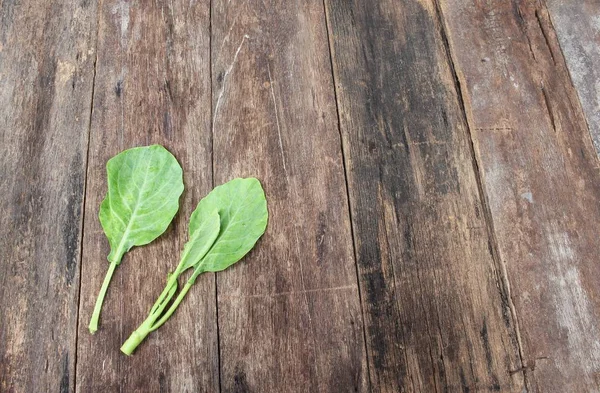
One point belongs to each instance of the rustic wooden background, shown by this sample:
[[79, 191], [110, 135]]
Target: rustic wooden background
[[431, 169]]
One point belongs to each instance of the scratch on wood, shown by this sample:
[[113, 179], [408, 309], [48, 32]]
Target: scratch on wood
[[500, 129], [305, 293], [226, 38], [277, 119], [302, 278], [417, 164], [121, 106], [427, 143], [292, 293], [218, 104]]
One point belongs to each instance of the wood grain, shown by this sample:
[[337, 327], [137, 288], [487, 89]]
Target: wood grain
[[577, 27], [542, 180], [437, 317], [46, 72], [432, 173], [152, 86], [289, 314]]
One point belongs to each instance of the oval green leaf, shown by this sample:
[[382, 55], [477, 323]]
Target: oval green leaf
[[242, 209], [144, 186]]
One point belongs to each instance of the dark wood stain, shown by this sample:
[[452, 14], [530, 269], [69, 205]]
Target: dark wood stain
[[240, 384], [162, 385], [119, 88], [488, 356], [71, 228], [413, 189], [65, 379]]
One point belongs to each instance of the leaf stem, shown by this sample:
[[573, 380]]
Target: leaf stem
[[98, 308], [165, 295], [173, 307], [157, 309], [136, 337]]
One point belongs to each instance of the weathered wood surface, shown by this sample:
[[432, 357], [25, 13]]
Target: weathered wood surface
[[152, 86], [433, 190], [46, 72], [542, 181], [289, 315], [436, 313], [577, 25]]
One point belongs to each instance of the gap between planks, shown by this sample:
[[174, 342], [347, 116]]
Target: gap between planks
[[213, 115], [343, 152], [84, 199]]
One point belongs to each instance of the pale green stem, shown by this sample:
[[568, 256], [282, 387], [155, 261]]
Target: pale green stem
[[162, 298], [173, 307], [147, 326], [98, 308], [150, 324], [136, 337]]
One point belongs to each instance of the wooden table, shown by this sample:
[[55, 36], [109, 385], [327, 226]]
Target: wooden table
[[433, 189]]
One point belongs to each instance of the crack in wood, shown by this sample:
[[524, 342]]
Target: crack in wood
[[84, 199], [548, 107], [545, 35], [334, 78]]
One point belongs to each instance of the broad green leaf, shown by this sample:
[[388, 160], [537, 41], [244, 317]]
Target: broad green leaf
[[144, 185], [202, 237], [243, 212]]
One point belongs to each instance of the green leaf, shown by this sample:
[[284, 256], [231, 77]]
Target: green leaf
[[202, 237], [243, 212], [144, 185]]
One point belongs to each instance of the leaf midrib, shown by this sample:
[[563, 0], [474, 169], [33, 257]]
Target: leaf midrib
[[135, 209]]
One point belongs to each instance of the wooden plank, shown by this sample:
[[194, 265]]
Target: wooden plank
[[437, 317], [577, 26], [289, 315], [46, 72], [152, 86], [542, 179]]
